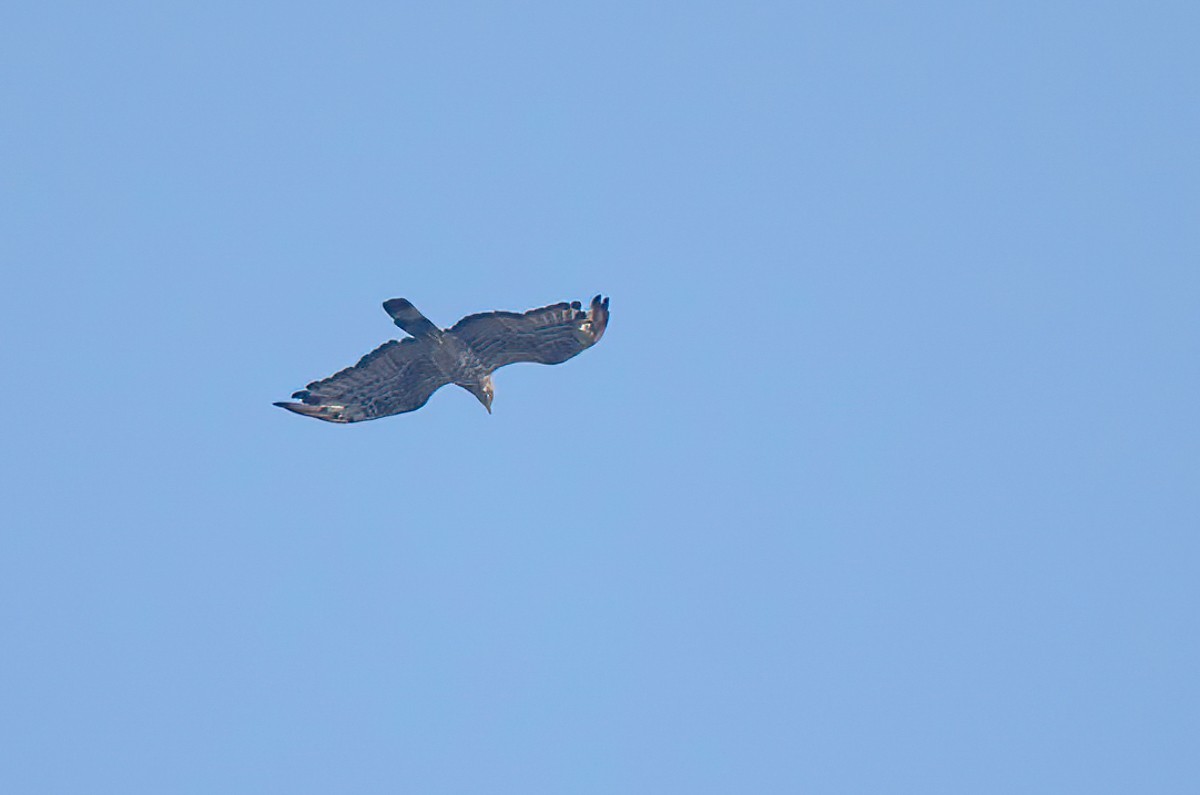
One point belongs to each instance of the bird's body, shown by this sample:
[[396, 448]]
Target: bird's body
[[401, 375]]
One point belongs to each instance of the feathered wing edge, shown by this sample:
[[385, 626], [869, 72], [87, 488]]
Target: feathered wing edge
[[546, 335], [361, 392], [327, 413], [598, 318]]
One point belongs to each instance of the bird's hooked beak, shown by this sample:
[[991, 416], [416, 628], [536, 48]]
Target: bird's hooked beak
[[485, 395]]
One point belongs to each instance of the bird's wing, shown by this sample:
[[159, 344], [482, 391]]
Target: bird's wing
[[396, 377], [549, 335]]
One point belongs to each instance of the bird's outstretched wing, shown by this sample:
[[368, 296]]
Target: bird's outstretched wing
[[549, 335], [396, 377]]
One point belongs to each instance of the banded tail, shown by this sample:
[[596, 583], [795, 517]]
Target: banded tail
[[409, 318]]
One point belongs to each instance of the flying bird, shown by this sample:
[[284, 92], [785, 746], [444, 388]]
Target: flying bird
[[401, 375]]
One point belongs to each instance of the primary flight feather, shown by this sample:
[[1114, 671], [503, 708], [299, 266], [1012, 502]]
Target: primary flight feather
[[401, 375]]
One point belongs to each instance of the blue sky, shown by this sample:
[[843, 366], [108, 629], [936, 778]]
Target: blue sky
[[883, 479]]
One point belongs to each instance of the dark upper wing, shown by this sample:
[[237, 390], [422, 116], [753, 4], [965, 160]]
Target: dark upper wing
[[396, 377], [549, 335]]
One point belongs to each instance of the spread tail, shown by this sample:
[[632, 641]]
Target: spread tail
[[409, 318]]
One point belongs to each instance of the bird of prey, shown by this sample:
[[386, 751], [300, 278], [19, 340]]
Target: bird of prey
[[400, 375]]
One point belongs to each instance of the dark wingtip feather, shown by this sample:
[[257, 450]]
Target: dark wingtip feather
[[576, 305], [599, 318], [326, 413]]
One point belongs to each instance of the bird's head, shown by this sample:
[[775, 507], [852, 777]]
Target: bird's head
[[484, 391]]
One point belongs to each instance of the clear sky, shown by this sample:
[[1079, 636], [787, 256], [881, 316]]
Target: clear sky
[[885, 477]]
